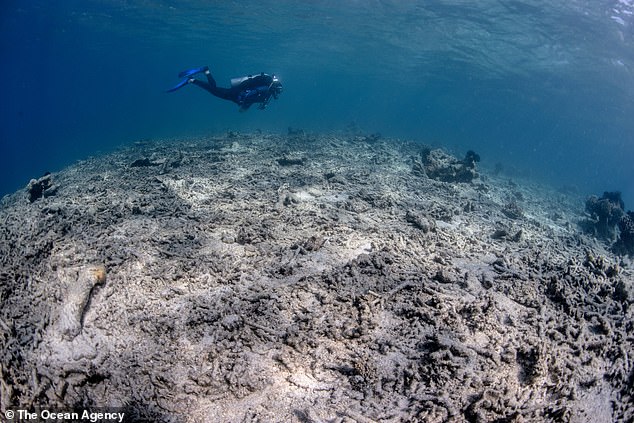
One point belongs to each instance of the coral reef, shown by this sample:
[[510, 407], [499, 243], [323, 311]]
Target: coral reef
[[420, 221], [346, 289], [286, 161], [625, 243], [605, 213], [42, 187], [439, 165], [372, 138], [471, 158], [512, 210], [145, 162]]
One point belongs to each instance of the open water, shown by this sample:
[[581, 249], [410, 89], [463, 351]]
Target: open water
[[546, 88]]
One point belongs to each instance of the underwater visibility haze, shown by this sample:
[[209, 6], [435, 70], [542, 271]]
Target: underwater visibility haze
[[543, 87]]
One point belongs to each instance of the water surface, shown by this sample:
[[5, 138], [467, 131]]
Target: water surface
[[544, 87]]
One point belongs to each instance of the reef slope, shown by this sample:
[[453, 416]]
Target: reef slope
[[308, 278]]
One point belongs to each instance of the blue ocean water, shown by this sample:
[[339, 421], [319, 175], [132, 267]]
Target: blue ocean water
[[543, 87]]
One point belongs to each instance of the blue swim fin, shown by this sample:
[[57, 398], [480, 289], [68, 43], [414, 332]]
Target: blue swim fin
[[179, 85], [191, 72]]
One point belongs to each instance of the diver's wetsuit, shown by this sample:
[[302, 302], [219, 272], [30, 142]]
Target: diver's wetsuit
[[247, 91]]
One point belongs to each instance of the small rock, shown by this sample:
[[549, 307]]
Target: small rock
[[513, 211], [419, 221], [144, 163], [231, 322], [284, 161]]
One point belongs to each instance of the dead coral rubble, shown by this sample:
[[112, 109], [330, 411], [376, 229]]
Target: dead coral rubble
[[345, 289], [42, 187], [625, 243], [605, 213], [512, 210], [437, 164]]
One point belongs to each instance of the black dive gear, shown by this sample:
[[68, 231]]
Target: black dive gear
[[244, 91]]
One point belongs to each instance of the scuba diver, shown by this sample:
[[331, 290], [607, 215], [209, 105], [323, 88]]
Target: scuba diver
[[244, 91]]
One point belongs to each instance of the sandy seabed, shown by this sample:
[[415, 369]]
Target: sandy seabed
[[309, 278]]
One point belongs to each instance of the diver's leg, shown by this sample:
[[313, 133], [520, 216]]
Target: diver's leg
[[189, 76], [210, 85], [210, 78], [224, 93]]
